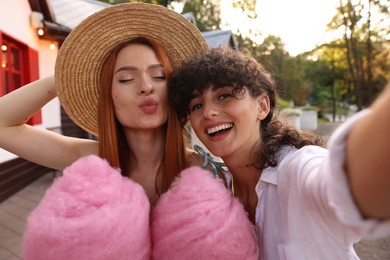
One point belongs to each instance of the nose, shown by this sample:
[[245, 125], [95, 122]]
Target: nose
[[145, 87], [210, 110]]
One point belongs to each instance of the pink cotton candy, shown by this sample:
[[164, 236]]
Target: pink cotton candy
[[199, 219], [91, 212]]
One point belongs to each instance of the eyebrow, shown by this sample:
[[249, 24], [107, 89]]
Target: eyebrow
[[133, 68], [195, 94]]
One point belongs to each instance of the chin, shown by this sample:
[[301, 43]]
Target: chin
[[217, 152], [152, 124]]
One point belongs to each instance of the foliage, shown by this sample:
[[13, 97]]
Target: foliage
[[206, 12], [249, 15], [322, 78], [160, 2], [351, 69], [289, 112], [282, 103], [364, 43]]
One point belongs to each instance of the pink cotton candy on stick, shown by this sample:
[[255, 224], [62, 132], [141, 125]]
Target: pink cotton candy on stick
[[199, 219], [91, 212]]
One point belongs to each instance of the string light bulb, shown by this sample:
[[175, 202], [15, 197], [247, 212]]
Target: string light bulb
[[40, 32]]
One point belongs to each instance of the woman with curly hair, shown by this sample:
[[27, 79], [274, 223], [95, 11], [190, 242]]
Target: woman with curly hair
[[307, 202]]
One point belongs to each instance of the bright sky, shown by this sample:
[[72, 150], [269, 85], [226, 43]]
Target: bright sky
[[300, 23]]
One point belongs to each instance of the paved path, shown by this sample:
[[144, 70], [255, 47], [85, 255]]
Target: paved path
[[13, 215], [374, 250], [326, 129]]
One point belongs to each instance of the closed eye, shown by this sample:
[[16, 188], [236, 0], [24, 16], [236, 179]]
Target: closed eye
[[159, 77], [125, 80]]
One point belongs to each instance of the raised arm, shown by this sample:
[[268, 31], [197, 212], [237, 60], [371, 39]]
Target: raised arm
[[368, 160], [34, 144]]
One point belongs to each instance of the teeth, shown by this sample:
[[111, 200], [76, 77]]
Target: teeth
[[219, 128]]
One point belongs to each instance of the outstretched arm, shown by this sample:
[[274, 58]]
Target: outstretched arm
[[34, 144], [368, 160]]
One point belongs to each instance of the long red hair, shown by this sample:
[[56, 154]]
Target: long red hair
[[112, 141]]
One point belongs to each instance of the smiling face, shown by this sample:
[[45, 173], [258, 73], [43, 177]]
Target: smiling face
[[228, 123], [139, 88]]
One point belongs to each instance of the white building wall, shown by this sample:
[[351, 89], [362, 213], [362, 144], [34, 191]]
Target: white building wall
[[15, 22], [51, 113]]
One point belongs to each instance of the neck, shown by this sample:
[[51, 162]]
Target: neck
[[146, 148], [146, 157], [244, 181]]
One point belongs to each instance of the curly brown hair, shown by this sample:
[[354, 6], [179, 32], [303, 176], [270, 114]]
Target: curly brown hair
[[221, 67]]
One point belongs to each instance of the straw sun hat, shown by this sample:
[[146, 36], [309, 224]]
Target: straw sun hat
[[81, 57]]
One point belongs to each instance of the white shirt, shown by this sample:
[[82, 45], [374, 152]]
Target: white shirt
[[305, 209]]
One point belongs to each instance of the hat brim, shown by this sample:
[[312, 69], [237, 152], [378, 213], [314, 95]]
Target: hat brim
[[81, 56]]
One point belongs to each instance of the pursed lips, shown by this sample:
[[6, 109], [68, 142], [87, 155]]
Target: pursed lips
[[148, 106]]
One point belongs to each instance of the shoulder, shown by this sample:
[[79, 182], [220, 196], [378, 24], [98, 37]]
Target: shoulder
[[196, 159], [193, 158], [296, 164], [290, 155]]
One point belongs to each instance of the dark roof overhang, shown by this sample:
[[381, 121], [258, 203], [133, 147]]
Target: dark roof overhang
[[51, 31]]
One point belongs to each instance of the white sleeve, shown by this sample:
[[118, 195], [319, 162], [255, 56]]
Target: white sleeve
[[338, 192]]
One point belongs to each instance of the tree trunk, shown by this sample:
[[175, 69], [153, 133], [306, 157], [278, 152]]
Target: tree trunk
[[369, 57], [355, 63]]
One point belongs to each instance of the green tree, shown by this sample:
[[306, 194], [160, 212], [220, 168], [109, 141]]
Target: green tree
[[272, 53], [328, 72], [160, 2], [321, 74], [248, 35], [206, 12], [363, 41], [295, 84]]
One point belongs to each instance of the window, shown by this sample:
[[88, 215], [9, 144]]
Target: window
[[19, 66], [11, 66]]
